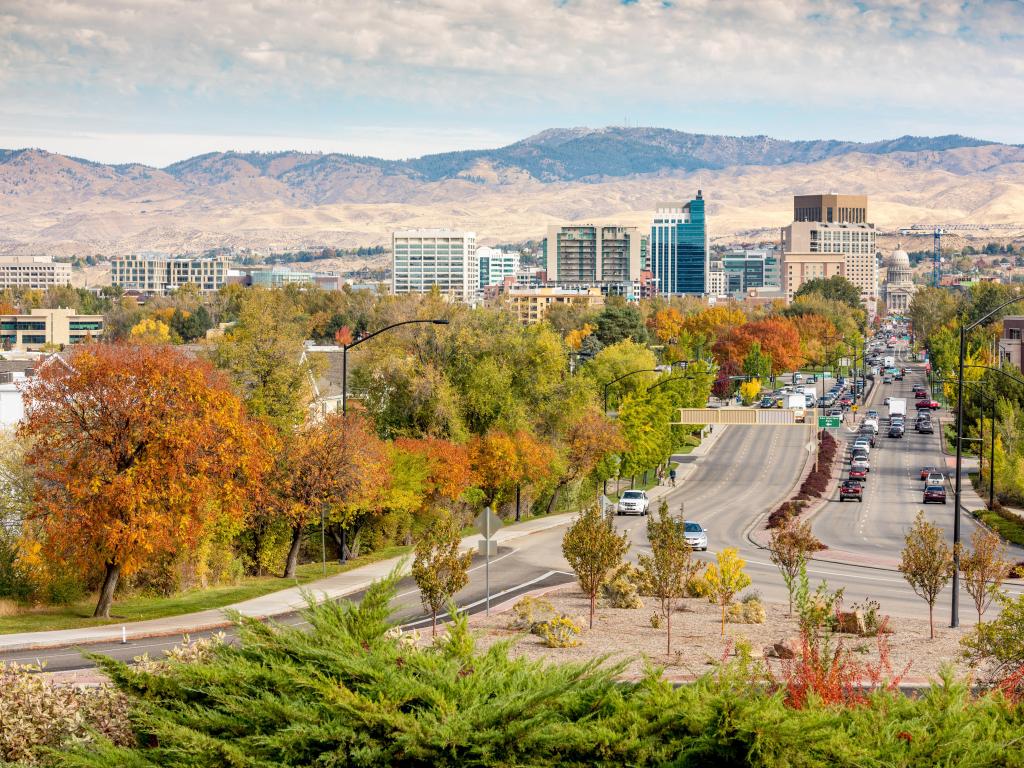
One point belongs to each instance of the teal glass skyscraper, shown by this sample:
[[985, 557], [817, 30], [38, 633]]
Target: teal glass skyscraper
[[679, 247]]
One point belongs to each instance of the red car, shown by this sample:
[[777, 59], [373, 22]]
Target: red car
[[858, 474], [921, 395], [925, 471], [925, 404], [851, 489], [934, 493]]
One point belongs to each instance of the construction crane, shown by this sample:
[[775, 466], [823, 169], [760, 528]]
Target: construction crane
[[938, 230]]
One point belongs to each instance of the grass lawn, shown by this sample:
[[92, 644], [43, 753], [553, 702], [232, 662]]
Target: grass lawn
[[140, 608]]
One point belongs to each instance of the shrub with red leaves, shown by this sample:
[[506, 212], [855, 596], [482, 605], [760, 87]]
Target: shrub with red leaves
[[1012, 685]]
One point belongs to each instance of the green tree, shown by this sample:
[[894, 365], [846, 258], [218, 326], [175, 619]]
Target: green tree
[[438, 568], [788, 548], [617, 323], [644, 420], [670, 566], [618, 360], [930, 309], [757, 364], [837, 288], [263, 354], [725, 579], [926, 563], [593, 550]]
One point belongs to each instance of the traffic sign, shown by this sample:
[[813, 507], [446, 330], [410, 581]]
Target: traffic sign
[[828, 422], [487, 523]]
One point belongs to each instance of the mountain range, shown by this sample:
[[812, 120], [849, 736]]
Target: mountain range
[[287, 200]]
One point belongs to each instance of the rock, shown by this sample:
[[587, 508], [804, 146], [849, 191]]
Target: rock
[[769, 652], [788, 649], [852, 623]]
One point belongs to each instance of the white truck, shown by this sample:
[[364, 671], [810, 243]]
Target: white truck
[[890, 361], [897, 407], [798, 404]]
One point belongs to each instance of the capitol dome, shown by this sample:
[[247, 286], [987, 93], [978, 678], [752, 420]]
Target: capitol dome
[[898, 272]]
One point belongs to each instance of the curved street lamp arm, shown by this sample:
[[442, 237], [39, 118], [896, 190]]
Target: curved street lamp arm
[[357, 342]]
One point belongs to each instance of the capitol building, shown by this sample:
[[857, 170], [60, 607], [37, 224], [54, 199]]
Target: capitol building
[[899, 283]]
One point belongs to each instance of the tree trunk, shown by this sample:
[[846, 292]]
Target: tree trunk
[[931, 623], [293, 553], [107, 591], [554, 497], [593, 600], [723, 619], [668, 634]]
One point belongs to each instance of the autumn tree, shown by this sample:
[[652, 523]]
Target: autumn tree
[[926, 563], [501, 461], [327, 463], [725, 579], [438, 568], [593, 550], [670, 566], [984, 568], [587, 442], [136, 450], [789, 547], [150, 331], [749, 390]]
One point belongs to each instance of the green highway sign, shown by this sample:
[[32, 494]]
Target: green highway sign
[[828, 422]]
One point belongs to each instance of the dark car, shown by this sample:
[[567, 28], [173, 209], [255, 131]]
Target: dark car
[[851, 489], [934, 493], [896, 430], [925, 428], [869, 434], [858, 474]]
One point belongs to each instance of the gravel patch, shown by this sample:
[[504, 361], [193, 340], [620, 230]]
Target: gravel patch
[[626, 635]]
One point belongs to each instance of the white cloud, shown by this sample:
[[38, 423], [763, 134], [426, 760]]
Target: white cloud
[[549, 59]]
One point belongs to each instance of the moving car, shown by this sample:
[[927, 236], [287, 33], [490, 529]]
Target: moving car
[[861, 462], [696, 535], [927, 404], [633, 502], [862, 443], [925, 428], [872, 424], [869, 435], [896, 430], [873, 414], [858, 474], [936, 493], [925, 471], [851, 489], [934, 478], [767, 402]]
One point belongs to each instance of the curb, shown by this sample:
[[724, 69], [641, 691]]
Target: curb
[[227, 623]]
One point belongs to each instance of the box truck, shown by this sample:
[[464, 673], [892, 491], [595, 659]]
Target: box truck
[[798, 404], [897, 406], [889, 361]]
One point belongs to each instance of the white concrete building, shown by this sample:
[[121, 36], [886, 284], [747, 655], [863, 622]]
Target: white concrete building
[[159, 273], [495, 265], [445, 258], [40, 272]]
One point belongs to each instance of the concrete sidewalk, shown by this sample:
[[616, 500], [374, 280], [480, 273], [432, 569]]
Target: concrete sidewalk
[[278, 603]]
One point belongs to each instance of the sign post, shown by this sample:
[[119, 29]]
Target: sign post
[[487, 523]]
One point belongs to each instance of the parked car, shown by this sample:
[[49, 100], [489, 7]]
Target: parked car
[[858, 474], [633, 502], [925, 471], [696, 535], [851, 489], [936, 493]]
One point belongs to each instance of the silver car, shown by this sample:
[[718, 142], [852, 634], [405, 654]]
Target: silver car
[[696, 536], [633, 502]]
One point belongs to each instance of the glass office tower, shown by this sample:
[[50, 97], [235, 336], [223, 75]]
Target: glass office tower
[[679, 247]]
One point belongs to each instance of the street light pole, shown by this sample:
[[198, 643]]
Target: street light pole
[[346, 347]]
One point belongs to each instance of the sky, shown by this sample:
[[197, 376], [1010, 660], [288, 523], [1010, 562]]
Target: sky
[[155, 81]]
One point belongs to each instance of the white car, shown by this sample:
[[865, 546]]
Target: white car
[[633, 502], [862, 442], [872, 423], [696, 535], [861, 463]]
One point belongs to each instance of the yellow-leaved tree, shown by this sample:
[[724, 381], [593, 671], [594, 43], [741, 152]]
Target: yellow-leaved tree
[[725, 579]]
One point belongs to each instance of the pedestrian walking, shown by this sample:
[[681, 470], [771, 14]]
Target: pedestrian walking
[[672, 477]]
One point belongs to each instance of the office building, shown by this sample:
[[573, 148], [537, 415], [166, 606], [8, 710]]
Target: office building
[[40, 272], [530, 305], [751, 268], [588, 254], [831, 208], [424, 259], [679, 247], [495, 265], [278, 276], [799, 268], [160, 273], [58, 327]]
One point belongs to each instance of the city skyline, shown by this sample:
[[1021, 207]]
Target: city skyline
[[118, 82]]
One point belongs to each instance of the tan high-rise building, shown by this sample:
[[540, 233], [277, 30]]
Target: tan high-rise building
[[831, 208]]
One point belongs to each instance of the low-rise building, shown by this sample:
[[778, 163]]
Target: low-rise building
[[1011, 342], [160, 273], [277, 277], [530, 305], [56, 327], [40, 272]]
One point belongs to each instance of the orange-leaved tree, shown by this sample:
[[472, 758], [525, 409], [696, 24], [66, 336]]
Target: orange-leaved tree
[[136, 449], [326, 463], [446, 472], [503, 460], [587, 441]]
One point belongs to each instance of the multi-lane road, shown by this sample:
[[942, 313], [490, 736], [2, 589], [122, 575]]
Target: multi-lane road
[[748, 472]]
